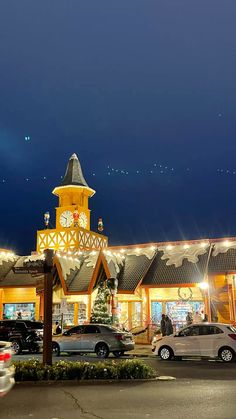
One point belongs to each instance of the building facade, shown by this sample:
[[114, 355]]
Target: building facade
[[153, 278]]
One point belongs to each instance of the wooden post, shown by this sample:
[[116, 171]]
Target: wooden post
[[148, 313], [47, 333], [1, 304]]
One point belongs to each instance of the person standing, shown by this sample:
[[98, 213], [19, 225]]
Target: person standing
[[56, 329], [197, 318], [189, 318], [163, 325], [169, 326]]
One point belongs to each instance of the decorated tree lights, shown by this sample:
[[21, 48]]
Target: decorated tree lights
[[100, 311]]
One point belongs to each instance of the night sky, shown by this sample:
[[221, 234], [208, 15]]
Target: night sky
[[143, 91]]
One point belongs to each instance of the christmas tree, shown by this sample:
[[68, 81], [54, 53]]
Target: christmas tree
[[100, 313]]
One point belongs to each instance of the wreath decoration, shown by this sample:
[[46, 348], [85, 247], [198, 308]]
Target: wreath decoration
[[183, 297]]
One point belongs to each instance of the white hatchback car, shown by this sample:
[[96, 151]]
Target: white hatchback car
[[202, 339]]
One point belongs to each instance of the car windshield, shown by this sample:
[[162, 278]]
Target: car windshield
[[232, 329]]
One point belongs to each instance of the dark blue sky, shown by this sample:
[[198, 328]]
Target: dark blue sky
[[131, 85]]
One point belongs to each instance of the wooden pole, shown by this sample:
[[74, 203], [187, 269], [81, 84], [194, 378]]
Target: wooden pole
[[48, 283]]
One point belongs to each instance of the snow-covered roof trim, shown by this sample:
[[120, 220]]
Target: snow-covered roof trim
[[223, 247], [116, 258], [68, 264], [34, 258], [175, 254], [91, 259], [7, 257]]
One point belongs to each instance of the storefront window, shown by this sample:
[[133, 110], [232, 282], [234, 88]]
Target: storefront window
[[63, 313], [82, 316], [123, 314], [178, 310], [136, 314], [24, 311], [156, 312]]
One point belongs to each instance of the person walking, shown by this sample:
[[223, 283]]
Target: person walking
[[205, 318], [169, 326], [163, 325]]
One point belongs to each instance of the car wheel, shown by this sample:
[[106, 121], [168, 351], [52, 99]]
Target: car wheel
[[102, 350], [165, 353], [118, 354], [226, 354], [55, 349], [16, 347]]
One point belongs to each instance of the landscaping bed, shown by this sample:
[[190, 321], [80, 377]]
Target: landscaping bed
[[33, 370]]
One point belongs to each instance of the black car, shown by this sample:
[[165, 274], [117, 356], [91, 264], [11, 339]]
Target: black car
[[23, 334]]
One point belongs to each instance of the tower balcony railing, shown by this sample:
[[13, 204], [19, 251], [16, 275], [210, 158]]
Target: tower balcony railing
[[71, 239]]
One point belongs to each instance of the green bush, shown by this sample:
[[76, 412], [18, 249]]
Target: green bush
[[33, 370]]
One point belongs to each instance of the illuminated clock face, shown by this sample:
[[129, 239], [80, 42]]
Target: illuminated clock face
[[66, 219], [83, 221]]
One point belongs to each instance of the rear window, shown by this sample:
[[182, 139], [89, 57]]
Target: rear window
[[111, 329], [34, 325], [232, 329]]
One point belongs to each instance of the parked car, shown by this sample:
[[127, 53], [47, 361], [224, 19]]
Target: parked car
[[98, 338], [23, 334], [210, 340], [6, 371]]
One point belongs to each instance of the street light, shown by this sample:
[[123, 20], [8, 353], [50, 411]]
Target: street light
[[203, 285]]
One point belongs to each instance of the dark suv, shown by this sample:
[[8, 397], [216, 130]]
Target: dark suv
[[23, 334]]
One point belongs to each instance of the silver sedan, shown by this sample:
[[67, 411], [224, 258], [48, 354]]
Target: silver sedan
[[93, 338]]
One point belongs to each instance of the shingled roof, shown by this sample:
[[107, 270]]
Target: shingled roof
[[223, 262], [77, 273], [10, 279], [74, 174], [188, 273]]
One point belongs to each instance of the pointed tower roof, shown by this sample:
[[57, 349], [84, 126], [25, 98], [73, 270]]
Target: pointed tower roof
[[73, 178], [74, 174]]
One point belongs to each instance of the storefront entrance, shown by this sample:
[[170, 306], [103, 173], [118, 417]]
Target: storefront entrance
[[176, 310]]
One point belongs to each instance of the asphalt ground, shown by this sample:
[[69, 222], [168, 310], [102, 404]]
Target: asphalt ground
[[195, 399]]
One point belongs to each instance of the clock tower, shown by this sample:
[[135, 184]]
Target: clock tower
[[73, 194], [72, 230]]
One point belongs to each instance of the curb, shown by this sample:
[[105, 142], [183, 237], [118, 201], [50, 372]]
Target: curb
[[84, 382]]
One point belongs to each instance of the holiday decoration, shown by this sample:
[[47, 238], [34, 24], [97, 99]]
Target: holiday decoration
[[175, 254], [185, 295], [46, 218], [76, 217], [100, 311], [100, 225]]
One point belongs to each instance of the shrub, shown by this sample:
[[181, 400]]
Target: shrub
[[33, 370]]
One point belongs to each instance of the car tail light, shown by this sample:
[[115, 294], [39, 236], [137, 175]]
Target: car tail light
[[232, 336], [119, 337], [4, 357]]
